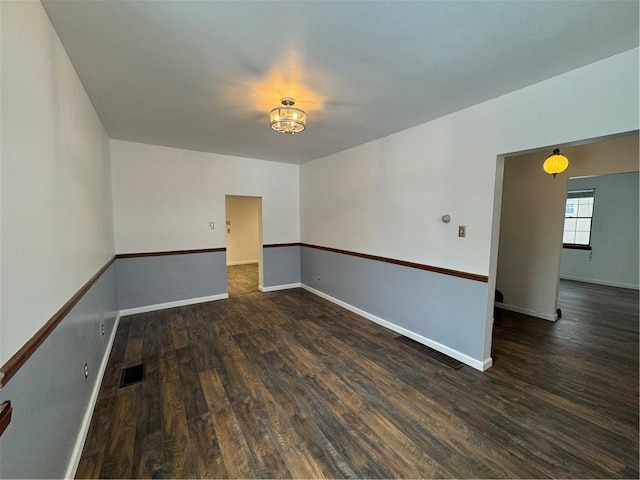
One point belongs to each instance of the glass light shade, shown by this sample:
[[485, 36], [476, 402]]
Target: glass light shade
[[288, 119], [556, 163]]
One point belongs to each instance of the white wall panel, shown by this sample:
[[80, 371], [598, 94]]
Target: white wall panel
[[163, 198], [56, 213]]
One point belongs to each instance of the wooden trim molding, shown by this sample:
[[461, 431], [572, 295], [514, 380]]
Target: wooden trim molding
[[5, 416], [9, 369], [170, 252], [278, 245], [419, 266]]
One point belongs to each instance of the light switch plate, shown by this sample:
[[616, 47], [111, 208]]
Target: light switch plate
[[462, 231]]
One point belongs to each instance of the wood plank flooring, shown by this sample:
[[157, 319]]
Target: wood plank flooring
[[242, 278], [287, 385]]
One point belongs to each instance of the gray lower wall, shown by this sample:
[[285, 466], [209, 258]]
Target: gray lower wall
[[49, 393], [281, 265], [442, 308], [153, 280]]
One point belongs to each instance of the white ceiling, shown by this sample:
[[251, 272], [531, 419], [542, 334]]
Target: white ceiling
[[204, 75]]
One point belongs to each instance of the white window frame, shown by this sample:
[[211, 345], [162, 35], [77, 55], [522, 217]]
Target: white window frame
[[584, 193]]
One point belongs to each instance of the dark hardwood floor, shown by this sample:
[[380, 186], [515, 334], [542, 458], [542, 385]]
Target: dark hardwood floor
[[242, 279], [285, 384]]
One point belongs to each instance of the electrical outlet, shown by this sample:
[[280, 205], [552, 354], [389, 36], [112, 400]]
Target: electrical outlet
[[211, 225], [462, 231], [102, 329], [318, 277], [86, 371]]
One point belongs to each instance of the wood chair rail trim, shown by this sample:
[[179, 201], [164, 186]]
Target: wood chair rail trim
[[5, 415], [9, 369], [170, 252], [445, 271], [278, 245], [420, 266]]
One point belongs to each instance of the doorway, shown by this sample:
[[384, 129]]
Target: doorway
[[532, 215], [244, 243]]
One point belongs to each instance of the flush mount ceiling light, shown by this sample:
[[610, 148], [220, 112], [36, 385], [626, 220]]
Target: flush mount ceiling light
[[556, 163], [287, 118]]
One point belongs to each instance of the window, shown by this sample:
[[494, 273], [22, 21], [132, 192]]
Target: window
[[578, 218]]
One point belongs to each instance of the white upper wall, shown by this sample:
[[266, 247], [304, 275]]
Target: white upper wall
[[387, 197], [57, 229], [164, 198]]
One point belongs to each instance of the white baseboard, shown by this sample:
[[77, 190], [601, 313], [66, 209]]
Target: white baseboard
[[525, 311], [178, 303], [241, 262], [486, 363], [601, 282], [274, 288], [472, 362], [88, 414]]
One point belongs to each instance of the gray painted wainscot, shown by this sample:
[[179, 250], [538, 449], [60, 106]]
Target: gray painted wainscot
[[281, 266], [50, 394], [420, 304], [155, 281]]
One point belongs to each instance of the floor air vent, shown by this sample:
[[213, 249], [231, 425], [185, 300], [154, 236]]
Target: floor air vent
[[430, 352], [132, 375]]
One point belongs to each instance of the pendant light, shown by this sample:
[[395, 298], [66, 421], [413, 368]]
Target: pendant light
[[556, 163]]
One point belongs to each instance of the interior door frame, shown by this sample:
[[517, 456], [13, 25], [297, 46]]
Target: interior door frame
[[260, 242]]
